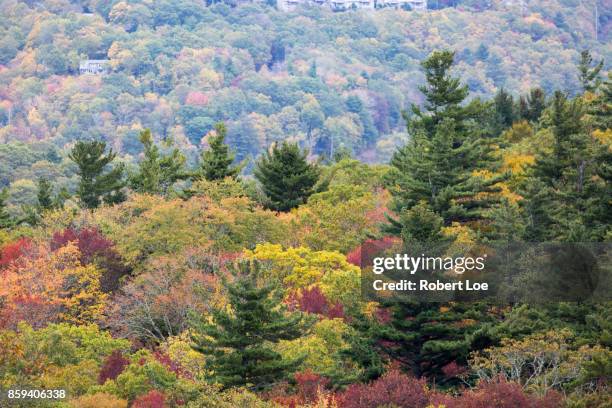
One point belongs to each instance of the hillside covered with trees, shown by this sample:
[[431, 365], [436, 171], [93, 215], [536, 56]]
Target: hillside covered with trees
[[327, 80], [187, 229]]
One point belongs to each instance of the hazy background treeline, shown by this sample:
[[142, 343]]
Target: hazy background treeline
[[324, 79]]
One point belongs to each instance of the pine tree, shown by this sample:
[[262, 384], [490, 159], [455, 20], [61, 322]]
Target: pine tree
[[61, 197], [157, 172], [216, 163], [312, 71], [364, 350], [421, 225], [96, 184], [532, 106], [6, 220], [443, 94], [44, 195], [601, 108], [238, 343], [568, 130], [427, 337], [588, 74], [567, 192], [437, 165], [286, 177], [504, 110]]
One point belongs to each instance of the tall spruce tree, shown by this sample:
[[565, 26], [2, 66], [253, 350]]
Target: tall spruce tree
[[504, 110], [567, 192], [433, 184], [157, 172], [216, 163], [532, 105], [438, 165], [601, 108], [443, 93], [97, 184], [286, 177], [426, 338], [238, 343], [588, 74], [45, 194]]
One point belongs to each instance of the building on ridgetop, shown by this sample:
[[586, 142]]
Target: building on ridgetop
[[94, 67], [403, 4], [343, 5]]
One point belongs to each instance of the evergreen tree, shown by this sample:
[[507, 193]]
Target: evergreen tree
[[364, 350], [532, 106], [426, 337], [312, 71], [44, 195], [238, 343], [437, 166], [443, 95], [61, 197], [482, 53], [96, 184], [587, 73], [30, 215], [567, 192], [216, 163], [5, 218], [504, 110], [157, 172], [421, 225], [601, 108], [286, 177], [568, 130]]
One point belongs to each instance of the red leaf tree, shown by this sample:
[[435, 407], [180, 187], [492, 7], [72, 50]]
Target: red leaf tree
[[113, 365], [312, 300], [392, 389], [94, 247], [9, 253], [152, 399]]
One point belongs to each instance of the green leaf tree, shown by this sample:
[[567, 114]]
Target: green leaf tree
[[216, 163], [97, 184], [238, 343], [157, 172], [286, 177]]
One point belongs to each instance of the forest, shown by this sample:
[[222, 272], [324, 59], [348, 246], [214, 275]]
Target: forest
[[187, 229], [325, 80]]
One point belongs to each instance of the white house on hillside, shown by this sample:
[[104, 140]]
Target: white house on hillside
[[93, 67], [342, 5]]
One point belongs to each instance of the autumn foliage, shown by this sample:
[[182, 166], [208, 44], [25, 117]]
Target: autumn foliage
[[392, 389], [364, 252], [51, 286], [113, 366], [312, 300], [13, 251], [153, 399], [498, 394], [94, 247]]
